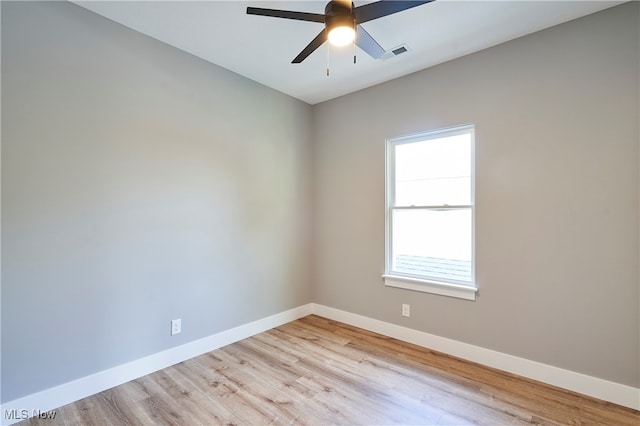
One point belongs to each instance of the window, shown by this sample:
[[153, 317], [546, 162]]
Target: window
[[430, 212]]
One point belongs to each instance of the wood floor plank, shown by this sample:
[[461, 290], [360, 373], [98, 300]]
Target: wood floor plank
[[315, 371], [290, 378], [497, 384]]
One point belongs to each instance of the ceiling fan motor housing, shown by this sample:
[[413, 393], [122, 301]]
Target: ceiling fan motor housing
[[339, 14]]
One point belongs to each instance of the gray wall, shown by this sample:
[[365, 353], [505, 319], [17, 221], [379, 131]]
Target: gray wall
[[557, 161], [139, 184]]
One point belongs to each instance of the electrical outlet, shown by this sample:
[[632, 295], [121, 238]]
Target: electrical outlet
[[406, 310], [176, 326]]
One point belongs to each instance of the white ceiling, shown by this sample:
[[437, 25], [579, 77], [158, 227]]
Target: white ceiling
[[261, 48]]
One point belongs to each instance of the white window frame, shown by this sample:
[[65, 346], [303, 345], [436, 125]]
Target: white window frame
[[418, 283]]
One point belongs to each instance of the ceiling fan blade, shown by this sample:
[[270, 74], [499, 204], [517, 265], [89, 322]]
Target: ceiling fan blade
[[287, 14], [368, 12], [368, 44], [311, 47]]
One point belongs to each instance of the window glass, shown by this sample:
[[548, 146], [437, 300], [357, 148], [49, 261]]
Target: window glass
[[434, 243], [433, 172]]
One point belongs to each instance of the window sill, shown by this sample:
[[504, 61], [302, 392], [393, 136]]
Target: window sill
[[434, 287]]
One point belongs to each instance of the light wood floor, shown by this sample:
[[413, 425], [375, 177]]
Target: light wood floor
[[319, 372]]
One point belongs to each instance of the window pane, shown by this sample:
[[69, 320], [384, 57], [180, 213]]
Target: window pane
[[432, 244], [434, 172]]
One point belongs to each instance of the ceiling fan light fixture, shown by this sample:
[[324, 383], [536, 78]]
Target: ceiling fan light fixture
[[341, 36], [340, 18], [340, 22]]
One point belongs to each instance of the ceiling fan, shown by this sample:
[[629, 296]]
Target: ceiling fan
[[342, 23]]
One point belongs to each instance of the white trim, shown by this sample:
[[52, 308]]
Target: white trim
[[434, 287], [52, 398], [587, 385]]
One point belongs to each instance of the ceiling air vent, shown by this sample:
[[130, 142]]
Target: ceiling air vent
[[392, 53]]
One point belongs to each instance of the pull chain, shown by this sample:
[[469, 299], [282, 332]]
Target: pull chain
[[328, 49], [354, 47]]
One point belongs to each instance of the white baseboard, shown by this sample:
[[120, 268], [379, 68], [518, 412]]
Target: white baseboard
[[50, 399], [616, 393]]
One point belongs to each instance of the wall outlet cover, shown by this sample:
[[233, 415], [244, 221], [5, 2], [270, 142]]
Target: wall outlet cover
[[406, 310], [176, 326]]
